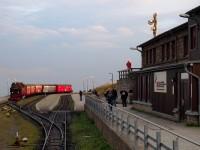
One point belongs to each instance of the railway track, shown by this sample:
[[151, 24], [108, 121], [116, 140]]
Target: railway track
[[55, 124]]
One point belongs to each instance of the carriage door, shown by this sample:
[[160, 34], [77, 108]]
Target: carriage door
[[184, 95]]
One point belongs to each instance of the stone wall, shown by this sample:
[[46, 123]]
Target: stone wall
[[113, 139], [130, 85]]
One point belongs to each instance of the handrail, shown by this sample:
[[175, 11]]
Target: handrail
[[152, 123], [132, 69]]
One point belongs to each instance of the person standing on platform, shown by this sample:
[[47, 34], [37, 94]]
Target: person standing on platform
[[81, 95], [109, 98], [124, 95], [114, 95]]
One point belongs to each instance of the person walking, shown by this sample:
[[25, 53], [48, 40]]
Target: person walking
[[114, 94], [124, 95], [81, 95], [109, 98]]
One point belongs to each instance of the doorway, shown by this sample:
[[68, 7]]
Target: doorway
[[184, 95]]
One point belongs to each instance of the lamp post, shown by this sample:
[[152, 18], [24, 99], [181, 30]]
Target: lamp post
[[184, 15], [112, 78], [92, 81], [188, 16], [136, 49], [87, 84], [83, 85]]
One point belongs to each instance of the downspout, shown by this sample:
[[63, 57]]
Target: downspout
[[198, 78]]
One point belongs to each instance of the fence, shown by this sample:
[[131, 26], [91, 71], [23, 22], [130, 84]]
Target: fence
[[139, 130]]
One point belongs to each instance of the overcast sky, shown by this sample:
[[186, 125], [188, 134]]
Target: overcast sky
[[68, 41]]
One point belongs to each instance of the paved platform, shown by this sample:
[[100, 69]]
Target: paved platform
[[78, 104], [191, 133], [4, 99], [48, 103], [177, 127]]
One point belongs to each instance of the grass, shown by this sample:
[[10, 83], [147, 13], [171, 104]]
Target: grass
[[25, 101], [103, 88], [70, 103], [9, 126], [86, 135]]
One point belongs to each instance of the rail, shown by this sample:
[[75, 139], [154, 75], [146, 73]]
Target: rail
[[124, 74], [138, 129], [14, 106]]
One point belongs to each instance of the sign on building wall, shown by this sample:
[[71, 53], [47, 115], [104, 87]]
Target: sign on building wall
[[160, 82], [184, 76]]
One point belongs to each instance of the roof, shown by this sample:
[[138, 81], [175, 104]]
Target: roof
[[195, 10], [178, 28], [166, 66]]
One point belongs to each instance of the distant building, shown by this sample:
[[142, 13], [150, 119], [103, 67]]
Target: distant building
[[167, 83]]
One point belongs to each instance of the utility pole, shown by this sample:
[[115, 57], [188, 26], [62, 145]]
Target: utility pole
[[112, 79], [87, 84], [83, 85]]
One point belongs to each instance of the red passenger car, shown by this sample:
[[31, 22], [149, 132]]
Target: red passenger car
[[63, 88], [38, 89]]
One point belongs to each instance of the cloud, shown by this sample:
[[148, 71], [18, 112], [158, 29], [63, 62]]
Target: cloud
[[125, 32], [24, 73], [102, 45], [95, 36], [27, 32], [23, 10]]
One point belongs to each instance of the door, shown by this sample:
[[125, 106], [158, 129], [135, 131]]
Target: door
[[184, 95]]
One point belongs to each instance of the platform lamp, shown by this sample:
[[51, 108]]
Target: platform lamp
[[190, 17], [136, 49]]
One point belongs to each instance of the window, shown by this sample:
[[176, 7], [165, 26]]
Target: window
[[185, 45], [163, 52], [154, 55], [193, 37], [173, 49], [168, 51], [150, 56], [147, 57]]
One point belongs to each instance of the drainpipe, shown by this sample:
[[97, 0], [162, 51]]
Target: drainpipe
[[197, 77]]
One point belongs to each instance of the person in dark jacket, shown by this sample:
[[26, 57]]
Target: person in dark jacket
[[81, 95], [114, 94], [124, 95], [109, 98]]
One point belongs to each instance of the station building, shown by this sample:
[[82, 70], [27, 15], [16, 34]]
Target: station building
[[168, 82]]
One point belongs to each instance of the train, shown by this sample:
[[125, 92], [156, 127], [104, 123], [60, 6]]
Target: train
[[20, 90]]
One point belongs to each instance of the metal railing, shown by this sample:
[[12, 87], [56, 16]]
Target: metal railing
[[140, 131], [124, 74]]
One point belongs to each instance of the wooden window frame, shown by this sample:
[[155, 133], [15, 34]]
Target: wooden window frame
[[154, 55], [167, 48], [147, 57], [185, 46], [192, 45], [163, 52], [173, 49], [150, 56]]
